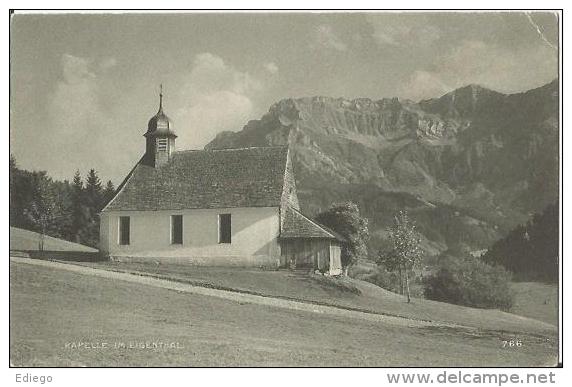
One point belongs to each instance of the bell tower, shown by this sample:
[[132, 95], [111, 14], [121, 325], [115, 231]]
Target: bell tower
[[160, 137]]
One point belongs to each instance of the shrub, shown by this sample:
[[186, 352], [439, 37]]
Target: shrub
[[389, 280], [471, 282], [384, 279], [360, 271]]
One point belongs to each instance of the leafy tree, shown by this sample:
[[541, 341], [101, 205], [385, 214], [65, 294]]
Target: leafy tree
[[13, 169], [61, 227], [21, 195], [405, 252], [14, 198], [57, 208], [345, 219], [41, 210], [465, 280]]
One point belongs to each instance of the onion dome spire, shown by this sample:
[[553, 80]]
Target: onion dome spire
[[160, 124]]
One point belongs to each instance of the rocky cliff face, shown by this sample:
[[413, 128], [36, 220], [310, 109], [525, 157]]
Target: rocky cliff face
[[468, 165]]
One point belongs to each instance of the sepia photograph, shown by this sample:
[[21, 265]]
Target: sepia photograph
[[285, 188]]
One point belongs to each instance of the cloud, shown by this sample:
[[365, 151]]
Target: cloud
[[76, 118], [75, 69], [108, 63], [473, 61], [425, 84], [325, 36], [271, 67], [210, 73], [219, 111], [89, 125], [403, 30], [74, 103], [216, 97]]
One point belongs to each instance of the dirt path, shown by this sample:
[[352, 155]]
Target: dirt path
[[242, 298]]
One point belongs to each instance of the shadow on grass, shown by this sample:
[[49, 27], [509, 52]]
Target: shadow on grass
[[326, 282], [72, 256]]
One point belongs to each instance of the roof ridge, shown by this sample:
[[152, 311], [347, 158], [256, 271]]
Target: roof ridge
[[232, 149]]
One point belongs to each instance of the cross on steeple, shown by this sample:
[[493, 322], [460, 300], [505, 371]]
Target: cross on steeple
[[161, 97]]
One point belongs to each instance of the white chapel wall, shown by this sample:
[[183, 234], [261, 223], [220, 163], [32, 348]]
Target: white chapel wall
[[254, 237]]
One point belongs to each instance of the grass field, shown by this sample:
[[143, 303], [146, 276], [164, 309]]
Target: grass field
[[531, 299], [50, 308], [300, 286], [536, 300]]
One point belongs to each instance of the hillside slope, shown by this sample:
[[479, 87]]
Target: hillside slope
[[468, 166], [24, 240], [347, 293], [212, 331]]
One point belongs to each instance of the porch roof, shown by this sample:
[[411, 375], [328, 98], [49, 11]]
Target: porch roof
[[297, 225]]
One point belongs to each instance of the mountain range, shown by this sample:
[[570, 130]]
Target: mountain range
[[468, 166]]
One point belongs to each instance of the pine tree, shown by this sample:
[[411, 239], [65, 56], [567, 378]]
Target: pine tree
[[108, 192], [93, 200], [79, 210], [93, 191], [77, 183], [60, 209]]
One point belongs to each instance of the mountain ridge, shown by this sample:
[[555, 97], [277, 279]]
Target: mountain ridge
[[473, 159]]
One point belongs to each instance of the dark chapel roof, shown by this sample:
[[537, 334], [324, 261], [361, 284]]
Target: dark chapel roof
[[247, 177]]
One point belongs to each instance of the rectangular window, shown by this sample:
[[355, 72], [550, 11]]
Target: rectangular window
[[177, 229], [224, 228], [124, 230], [162, 144]]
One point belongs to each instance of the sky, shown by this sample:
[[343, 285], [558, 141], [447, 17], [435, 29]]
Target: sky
[[83, 86]]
